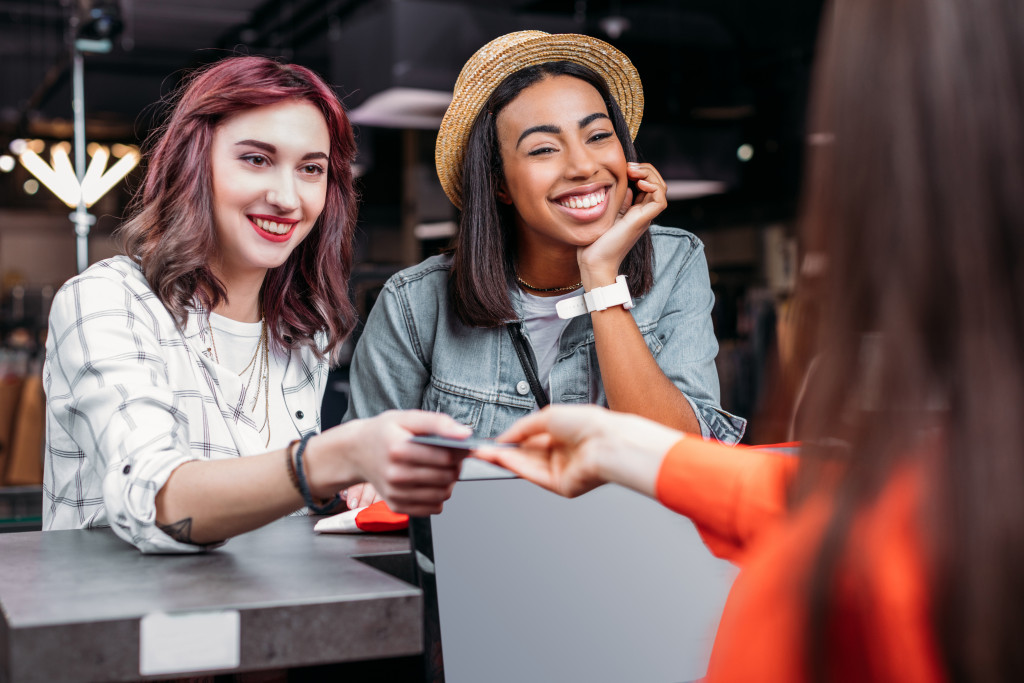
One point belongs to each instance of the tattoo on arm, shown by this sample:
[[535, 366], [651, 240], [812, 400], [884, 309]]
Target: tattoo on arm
[[180, 531]]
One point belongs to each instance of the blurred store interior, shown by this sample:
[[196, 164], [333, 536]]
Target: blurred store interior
[[725, 83]]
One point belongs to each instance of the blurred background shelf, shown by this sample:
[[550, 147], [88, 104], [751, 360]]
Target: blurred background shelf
[[21, 508]]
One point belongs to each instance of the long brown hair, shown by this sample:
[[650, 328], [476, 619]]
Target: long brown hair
[[483, 258], [915, 203], [171, 233]]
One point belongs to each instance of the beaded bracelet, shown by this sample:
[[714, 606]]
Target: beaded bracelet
[[325, 505]]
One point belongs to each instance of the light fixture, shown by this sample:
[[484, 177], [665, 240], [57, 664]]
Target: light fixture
[[56, 178], [403, 108], [59, 176], [97, 24], [614, 26], [6, 163], [692, 189], [435, 231]]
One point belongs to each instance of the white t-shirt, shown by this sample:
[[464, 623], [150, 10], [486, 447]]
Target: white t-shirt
[[236, 344], [544, 328]]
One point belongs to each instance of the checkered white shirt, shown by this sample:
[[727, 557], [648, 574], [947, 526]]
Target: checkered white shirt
[[129, 398]]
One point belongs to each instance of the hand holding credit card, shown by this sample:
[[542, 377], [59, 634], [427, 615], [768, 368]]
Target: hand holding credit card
[[470, 444]]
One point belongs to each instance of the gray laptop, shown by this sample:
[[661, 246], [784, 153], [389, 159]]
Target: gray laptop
[[609, 586]]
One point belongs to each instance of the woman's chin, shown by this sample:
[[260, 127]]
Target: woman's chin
[[585, 235]]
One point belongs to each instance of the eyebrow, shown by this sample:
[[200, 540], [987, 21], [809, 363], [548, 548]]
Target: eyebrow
[[555, 130], [271, 149]]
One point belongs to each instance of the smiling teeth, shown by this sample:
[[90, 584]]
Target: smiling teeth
[[584, 201], [271, 226]]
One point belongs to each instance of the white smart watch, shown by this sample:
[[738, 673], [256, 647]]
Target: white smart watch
[[597, 299]]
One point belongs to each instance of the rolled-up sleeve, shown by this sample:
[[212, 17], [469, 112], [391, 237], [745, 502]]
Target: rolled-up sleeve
[[116, 427]]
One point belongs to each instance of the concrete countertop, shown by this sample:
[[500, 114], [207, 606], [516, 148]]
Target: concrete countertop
[[71, 601]]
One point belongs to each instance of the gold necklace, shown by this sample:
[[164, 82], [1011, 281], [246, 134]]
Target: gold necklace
[[259, 366], [527, 285]]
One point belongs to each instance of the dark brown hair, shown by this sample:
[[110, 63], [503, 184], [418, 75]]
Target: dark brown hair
[[483, 257], [915, 203], [171, 233]]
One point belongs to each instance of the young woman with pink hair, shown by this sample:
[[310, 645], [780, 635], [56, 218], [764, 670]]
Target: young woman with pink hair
[[210, 339]]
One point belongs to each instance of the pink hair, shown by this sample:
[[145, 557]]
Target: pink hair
[[171, 233]]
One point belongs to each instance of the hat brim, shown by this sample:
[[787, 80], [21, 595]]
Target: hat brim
[[504, 56]]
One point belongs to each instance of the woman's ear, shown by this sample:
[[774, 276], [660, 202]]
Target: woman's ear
[[502, 194]]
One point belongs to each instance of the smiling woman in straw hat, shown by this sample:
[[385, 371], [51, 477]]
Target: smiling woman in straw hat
[[537, 151]]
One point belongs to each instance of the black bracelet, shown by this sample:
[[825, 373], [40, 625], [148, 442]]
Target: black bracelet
[[293, 477], [326, 506]]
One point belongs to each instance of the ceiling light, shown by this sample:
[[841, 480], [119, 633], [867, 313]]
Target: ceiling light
[[691, 189], [614, 26], [403, 108], [58, 182], [435, 231], [59, 176]]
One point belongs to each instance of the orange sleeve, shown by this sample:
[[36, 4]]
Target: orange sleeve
[[732, 494]]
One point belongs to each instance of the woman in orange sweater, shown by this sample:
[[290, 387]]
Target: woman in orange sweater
[[892, 549]]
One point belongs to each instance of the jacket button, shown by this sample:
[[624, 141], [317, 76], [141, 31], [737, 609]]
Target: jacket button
[[299, 414], [523, 387], [127, 469]]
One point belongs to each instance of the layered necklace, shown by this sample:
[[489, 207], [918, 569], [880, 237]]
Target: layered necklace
[[567, 288], [258, 367]]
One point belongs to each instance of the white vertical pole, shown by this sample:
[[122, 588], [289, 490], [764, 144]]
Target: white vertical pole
[[80, 217]]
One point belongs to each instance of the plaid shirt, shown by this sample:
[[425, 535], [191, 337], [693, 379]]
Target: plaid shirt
[[130, 398]]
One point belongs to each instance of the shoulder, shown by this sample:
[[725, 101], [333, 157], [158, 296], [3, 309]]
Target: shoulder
[[422, 289], [675, 250], [118, 277], [430, 274], [116, 272], [112, 291], [675, 240], [413, 304]]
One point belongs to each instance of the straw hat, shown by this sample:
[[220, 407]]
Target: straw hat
[[505, 55]]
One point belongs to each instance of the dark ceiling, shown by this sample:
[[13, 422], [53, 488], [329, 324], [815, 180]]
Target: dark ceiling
[[716, 51], [717, 73]]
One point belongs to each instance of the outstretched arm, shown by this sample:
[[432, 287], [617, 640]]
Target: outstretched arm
[[732, 494], [208, 501]]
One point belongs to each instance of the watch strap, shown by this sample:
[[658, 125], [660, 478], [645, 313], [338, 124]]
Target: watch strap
[[597, 299], [571, 307]]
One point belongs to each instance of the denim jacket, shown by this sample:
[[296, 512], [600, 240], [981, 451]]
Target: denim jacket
[[415, 353]]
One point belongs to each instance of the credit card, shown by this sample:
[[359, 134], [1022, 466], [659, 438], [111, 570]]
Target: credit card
[[470, 444]]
